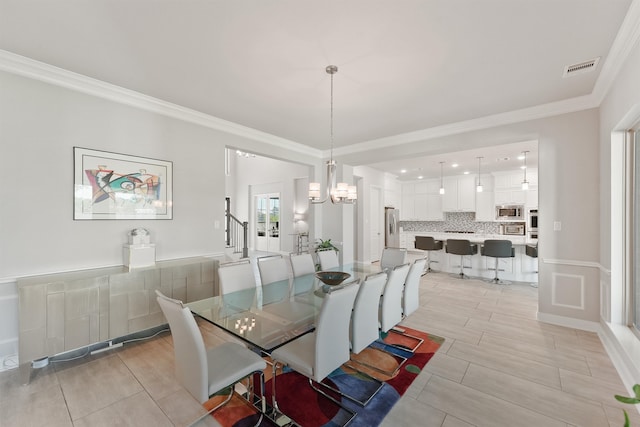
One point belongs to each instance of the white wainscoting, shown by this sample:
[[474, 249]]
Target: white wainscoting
[[567, 290]]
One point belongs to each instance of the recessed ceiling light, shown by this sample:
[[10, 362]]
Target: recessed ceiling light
[[454, 165], [403, 171], [420, 177], [466, 172], [521, 157]]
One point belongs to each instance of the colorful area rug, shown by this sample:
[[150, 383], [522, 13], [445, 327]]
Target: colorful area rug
[[309, 409]]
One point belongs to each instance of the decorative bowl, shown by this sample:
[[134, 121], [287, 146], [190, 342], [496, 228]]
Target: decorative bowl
[[332, 278]]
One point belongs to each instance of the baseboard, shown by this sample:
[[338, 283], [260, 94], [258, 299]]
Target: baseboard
[[570, 322], [623, 347]]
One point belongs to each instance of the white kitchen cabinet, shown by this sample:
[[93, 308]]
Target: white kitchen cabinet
[[460, 194], [434, 207], [421, 201], [532, 198], [510, 197], [485, 207], [407, 208]]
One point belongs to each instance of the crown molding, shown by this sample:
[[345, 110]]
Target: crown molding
[[538, 112], [624, 42], [627, 37], [27, 67]]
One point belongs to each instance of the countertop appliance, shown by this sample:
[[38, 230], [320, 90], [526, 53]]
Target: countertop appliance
[[515, 229], [391, 228], [533, 223], [510, 212]]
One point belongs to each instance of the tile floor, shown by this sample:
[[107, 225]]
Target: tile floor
[[497, 367]]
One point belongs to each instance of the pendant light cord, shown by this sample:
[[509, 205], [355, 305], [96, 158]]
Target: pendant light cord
[[331, 69]]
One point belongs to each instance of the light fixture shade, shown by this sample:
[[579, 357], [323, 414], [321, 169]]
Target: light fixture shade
[[352, 193], [314, 191], [441, 190], [479, 188], [342, 192], [525, 185]]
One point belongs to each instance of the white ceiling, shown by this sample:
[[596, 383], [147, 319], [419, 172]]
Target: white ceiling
[[404, 65]]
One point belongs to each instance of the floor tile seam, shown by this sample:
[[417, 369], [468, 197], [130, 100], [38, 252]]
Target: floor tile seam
[[599, 380], [524, 336], [596, 402], [549, 363], [112, 404], [486, 365], [492, 397], [522, 405]]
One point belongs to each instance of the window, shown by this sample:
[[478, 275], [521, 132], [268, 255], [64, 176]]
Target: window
[[633, 290]]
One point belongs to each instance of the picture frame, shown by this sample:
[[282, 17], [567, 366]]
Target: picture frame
[[121, 186]]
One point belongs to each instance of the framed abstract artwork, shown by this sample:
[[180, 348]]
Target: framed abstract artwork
[[119, 186]]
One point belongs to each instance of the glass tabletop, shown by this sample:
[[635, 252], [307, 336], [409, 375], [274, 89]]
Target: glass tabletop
[[269, 316]]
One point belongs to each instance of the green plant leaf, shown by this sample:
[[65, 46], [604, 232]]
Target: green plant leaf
[[636, 390], [626, 419], [625, 399]]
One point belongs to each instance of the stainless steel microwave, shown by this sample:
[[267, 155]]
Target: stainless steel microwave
[[510, 212]]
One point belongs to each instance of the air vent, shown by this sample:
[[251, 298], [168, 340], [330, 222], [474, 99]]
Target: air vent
[[581, 67]]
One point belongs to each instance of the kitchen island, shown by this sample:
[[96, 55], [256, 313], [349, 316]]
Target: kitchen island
[[520, 268]]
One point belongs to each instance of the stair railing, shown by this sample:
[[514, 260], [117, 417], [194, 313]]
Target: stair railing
[[236, 233]]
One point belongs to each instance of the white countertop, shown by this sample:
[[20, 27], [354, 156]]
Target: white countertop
[[475, 237]]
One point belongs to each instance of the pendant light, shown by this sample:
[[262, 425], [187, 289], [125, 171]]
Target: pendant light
[[525, 183], [441, 179], [479, 186], [341, 192]]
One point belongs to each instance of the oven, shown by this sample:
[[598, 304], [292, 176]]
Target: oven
[[533, 223], [510, 212], [515, 229]]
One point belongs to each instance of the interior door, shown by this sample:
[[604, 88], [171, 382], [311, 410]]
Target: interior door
[[376, 223], [267, 228]]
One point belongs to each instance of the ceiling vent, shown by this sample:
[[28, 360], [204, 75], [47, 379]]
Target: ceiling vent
[[581, 67]]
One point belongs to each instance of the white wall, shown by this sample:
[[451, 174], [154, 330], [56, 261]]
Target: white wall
[[260, 175], [568, 192], [619, 111], [40, 123], [370, 177]]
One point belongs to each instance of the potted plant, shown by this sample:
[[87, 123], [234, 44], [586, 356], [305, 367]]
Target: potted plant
[[630, 400], [325, 244]]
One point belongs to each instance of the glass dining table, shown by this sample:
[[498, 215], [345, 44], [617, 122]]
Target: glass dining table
[[267, 317]]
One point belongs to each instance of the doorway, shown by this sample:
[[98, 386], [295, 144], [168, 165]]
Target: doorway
[[267, 229]]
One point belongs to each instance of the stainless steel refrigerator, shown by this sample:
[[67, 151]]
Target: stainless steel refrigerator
[[391, 227]]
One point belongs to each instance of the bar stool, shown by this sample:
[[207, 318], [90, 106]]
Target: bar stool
[[532, 251], [461, 247], [498, 249], [428, 243]]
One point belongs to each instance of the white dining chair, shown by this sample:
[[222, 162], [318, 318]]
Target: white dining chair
[[236, 276], [328, 259], [272, 269], [364, 323], [202, 371], [411, 299], [391, 301], [302, 265], [317, 354], [392, 257], [364, 319], [411, 296], [303, 269]]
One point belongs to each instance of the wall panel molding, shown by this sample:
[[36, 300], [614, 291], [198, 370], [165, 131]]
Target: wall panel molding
[[569, 280]]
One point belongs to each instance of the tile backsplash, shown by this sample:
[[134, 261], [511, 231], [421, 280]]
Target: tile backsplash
[[453, 221]]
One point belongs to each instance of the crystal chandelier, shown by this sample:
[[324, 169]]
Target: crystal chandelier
[[340, 192]]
